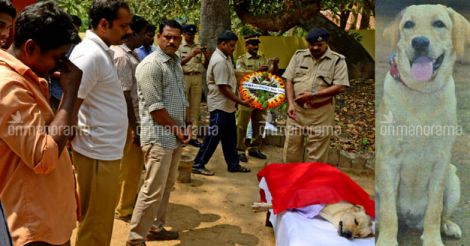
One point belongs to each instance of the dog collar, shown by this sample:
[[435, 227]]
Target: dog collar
[[394, 69]]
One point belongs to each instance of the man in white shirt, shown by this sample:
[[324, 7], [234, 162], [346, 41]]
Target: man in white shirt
[[102, 119]]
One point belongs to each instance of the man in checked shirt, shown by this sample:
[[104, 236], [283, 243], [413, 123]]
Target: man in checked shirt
[[164, 128]]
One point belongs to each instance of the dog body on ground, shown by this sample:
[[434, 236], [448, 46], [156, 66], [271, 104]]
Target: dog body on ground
[[416, 124], [351, 220]]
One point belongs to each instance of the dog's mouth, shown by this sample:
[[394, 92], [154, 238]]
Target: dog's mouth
[[424, 67], [345, 234]]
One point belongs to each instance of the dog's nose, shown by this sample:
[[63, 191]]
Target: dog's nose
[[346, 234], [420, 43]]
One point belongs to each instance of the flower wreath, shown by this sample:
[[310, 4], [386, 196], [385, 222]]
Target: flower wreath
[[265, 90]]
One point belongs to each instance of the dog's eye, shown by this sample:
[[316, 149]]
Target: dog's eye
[[355, 222], [438, 24], [409, 24]]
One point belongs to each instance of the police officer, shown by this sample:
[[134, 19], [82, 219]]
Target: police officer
[[249, 62], [193, 60], [314, 76]]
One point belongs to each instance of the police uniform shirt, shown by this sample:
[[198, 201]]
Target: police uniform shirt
[[195, 64], [249, 63], [306, 73]]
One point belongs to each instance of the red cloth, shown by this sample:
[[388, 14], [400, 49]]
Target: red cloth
[[296, 185], [21, 4]]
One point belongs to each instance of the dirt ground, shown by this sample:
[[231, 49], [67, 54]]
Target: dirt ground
[[460, 153], [216, 210]]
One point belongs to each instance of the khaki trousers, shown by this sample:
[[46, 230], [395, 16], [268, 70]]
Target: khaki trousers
[[132, 164], [258, 121], [193, 89], [161, 167], [98, 186], [308, 138]]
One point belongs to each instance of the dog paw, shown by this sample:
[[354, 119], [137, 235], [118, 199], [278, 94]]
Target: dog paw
[[432, 243], [432, 239], [383, 241], [451, 229]]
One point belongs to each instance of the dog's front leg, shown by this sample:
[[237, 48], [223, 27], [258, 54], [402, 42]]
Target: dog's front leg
[[432, 217], [387, 185]]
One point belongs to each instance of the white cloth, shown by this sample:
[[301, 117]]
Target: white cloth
[[102, 117], [294, 229]]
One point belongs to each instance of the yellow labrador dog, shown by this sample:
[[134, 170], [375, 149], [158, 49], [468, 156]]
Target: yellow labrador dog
[[350, 220], [416, 184]]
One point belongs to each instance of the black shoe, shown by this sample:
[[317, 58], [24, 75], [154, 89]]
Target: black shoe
[[162, 235], [242, 157], [240, 169], [256, 153], [130, 243], [195, 143], [203, 171]]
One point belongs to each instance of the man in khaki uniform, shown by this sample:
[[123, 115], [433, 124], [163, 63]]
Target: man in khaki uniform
[[314, 76], [193, 59], [249, 62]]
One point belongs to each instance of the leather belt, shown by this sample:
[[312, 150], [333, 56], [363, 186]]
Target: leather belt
[[309, 105], [192, 73]]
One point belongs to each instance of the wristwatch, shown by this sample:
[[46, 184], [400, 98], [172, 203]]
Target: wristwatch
[[314, 91]]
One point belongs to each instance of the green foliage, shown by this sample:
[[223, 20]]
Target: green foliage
[[188, 11], [356, 36], [185, 11], [77, 7]]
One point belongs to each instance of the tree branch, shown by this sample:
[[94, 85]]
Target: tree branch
[[277, 22]]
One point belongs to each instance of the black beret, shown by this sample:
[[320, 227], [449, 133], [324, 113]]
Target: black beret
[[252, 39], [317, 34], [190, 28]]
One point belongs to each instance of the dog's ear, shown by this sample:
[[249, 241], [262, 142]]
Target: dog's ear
[[359, 208], [460, 31], [392, 31]]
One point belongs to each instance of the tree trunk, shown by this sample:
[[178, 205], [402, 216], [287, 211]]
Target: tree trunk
[[360, 63], [344, 17], [367, 11], [215, 18], [365, 19]]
